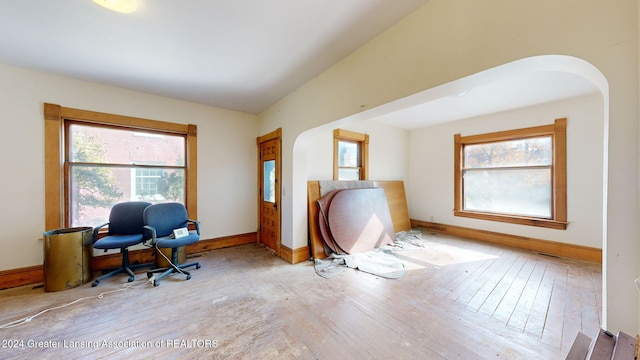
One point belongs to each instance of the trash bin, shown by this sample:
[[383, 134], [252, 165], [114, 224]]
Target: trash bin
[[67, 258], [161, 262]]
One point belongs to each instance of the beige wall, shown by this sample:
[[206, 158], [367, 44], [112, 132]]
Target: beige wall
[[449, 39], [423, 158], [226, 156], [430, 184], [388, 151]]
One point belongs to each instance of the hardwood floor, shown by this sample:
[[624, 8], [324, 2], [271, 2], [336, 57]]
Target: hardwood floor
[[459, 299]]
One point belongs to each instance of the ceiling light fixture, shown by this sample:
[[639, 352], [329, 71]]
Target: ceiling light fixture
[[122, 6]]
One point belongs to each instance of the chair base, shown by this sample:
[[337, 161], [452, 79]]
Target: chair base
[[125, 268], [111, 272], [173, 269], [164, 272]]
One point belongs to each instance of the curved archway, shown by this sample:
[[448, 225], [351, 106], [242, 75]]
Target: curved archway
[[561, 66]]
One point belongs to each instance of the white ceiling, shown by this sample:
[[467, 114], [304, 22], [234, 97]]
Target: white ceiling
[[240, 55], [236, 54], [458, 100]]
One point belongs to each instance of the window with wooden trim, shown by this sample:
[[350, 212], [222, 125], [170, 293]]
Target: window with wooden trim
[[516, 176], [103, 159], [350, 155]]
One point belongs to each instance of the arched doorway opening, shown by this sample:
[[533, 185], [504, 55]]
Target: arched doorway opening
[[486, 92]]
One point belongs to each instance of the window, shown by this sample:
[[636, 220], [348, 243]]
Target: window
[[350, 155], [269, 185], [108, 164], [516, 176], [106, 159], [147, 184]]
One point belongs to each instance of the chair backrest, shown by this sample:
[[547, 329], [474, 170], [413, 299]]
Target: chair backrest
[[165, 217], [126, 218]]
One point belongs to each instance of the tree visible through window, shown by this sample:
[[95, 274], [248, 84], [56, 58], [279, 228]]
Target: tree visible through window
[[92, 187], [108, 165], [514, 176]]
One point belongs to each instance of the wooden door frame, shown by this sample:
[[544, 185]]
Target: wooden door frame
[[274, 135]]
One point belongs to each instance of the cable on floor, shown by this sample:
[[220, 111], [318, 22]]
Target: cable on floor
[[99, 296]]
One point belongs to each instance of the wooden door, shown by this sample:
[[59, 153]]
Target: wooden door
[[269, 190]]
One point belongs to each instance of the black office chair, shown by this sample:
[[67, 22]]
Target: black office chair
[[160, 222], [126, 228]]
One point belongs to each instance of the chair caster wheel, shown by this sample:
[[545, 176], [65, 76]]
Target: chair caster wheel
[[95, 283], [198, 266], [156, 283], [131, 278], [149, 275], [188, 277]]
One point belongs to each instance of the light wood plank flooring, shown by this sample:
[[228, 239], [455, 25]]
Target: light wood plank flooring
[[459, 299]]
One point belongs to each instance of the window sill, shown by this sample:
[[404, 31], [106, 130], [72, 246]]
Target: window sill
[[546, 223]]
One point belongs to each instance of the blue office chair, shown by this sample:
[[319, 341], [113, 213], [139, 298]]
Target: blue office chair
[[160, 222], [126, 228]]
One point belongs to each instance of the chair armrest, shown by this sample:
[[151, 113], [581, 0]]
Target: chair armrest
[[96, 230], [151, 231], [196, 223]]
